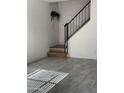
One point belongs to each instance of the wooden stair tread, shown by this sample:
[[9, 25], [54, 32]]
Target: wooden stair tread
[[61, 50], [57, 46], [56, 51]]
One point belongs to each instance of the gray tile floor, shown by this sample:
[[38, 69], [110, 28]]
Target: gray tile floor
[[82, 76]]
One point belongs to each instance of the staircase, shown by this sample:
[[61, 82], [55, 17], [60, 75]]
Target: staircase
[[57, 51], [73, 26]]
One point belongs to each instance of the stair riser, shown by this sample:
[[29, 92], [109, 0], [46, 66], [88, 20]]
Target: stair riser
[[57, 50], [56, 55]]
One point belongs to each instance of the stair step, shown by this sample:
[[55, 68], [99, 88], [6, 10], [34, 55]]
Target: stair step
[[58, 50], [55, 54]]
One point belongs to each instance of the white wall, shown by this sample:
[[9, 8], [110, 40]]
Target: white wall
[[68, 10], [40, 30], [84, 43], [55, 24]]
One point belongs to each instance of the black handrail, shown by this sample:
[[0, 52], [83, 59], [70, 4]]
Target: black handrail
[[82, 17]]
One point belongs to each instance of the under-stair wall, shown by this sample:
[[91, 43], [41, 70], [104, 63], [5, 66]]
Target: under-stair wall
[[83, 44], [68, 10]]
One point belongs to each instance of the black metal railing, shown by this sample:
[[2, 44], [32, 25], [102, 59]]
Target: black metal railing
[[79, 20]]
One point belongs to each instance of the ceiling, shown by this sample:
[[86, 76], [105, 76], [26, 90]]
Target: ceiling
[[55, 0]]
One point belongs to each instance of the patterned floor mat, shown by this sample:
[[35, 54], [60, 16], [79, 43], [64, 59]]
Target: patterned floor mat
[[41, 81]]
